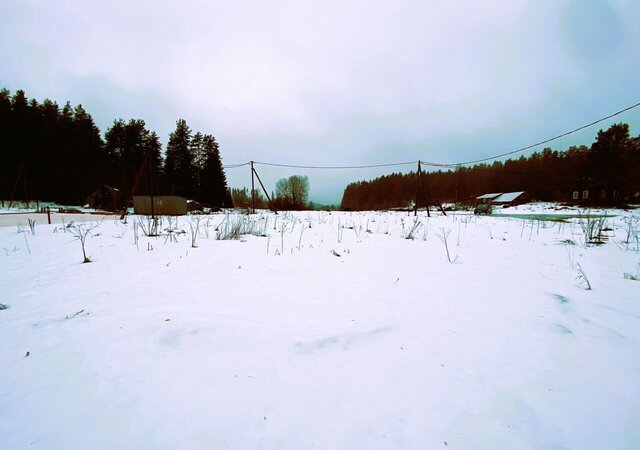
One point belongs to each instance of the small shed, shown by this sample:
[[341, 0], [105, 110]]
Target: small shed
[[193, 205], [510, 198], [488, 198], [164, 205], [106, 198]]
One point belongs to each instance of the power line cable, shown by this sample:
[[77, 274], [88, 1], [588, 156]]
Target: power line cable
[[522, 149], [443, 165], [366, 166], [234, 166]]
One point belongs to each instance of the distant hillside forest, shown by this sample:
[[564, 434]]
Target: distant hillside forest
[[54, 153], [611, 165]]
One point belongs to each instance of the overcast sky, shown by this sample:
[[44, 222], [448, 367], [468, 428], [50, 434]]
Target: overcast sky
[[334, 82]]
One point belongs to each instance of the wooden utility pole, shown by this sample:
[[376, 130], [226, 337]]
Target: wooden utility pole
[[129, 196], [253, 191], [421, 186], [150, 186], [418, 180], [21, 173], [253, 171], [425, 191]]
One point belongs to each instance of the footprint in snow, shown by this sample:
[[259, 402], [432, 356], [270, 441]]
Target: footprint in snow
[[559, 298], [342, 341], [563, 329]]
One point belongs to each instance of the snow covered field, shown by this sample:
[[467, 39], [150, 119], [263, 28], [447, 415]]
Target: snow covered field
[[333, 331]]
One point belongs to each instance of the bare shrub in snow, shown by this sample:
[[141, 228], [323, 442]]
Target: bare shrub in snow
[[582, 276], [32, 225], [633, 276], [340, 231], [80, 232], [490, 233], [194, 225], [444, 236], [592, 229], [300, 240], [233, 228], [172, 231], [410, 231], [633, 234], [149, 225]]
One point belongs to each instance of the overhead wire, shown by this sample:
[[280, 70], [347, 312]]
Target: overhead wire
[[522, 149], [366, 166], [437, 164], [234, 166]]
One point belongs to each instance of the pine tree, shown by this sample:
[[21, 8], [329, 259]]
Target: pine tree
[[7, 153], [153, 148], [199, 160], [213, 179], [131, 146], [179, 165]]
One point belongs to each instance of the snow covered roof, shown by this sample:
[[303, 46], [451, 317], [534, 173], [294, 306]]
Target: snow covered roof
[[489, 196], [508, 197]]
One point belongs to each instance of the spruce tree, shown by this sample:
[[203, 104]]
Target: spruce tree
[[179, 166], [131, 145], [153, 148], [214, 180]]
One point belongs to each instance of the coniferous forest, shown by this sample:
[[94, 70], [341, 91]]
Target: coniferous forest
[[611, 167], [58, 154]]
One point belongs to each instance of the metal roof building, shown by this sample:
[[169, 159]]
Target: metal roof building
[[163, 205], [488, 198], [507, 197]]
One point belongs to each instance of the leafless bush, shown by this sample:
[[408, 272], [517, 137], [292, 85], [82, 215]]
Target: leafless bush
[[233, 228], [229, 229], [340, 231], [171, 232], [80, 233], [300, 240], [194, 225], [582, 276], [633, 276], [32, 225], [135, 234], [592, 227], [443, 236], [205, 229], [633, 234], [410, 231], [490, 233], [149, 225]]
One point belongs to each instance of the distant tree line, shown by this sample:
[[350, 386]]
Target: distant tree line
[[291, 194], [611, 163], [62, 156]]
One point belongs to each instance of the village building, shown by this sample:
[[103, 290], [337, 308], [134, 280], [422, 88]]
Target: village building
[[162, 205]]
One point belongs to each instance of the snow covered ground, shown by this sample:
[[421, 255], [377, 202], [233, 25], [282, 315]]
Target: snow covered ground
[[22, 219], [332, 331]]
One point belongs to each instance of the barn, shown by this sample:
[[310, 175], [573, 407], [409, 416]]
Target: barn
[[106, 198], [487, 198], [510, 198]]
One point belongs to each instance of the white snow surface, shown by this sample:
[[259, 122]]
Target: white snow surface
[[277, 342]]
